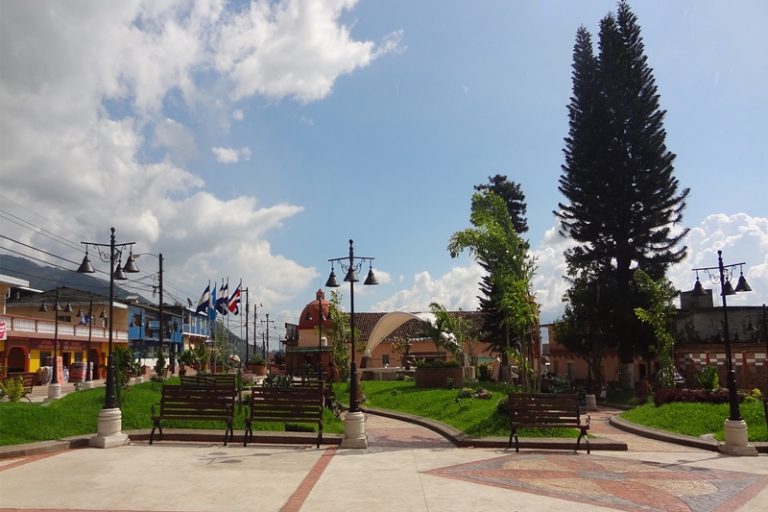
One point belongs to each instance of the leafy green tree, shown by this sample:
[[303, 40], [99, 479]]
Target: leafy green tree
[[582, 328], [448, 331], [658, 315], [512, 195], [495, 241], [622, 197]]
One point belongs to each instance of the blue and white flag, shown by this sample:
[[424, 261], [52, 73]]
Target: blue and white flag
[[223, 300], [212, 305], [204, 302]]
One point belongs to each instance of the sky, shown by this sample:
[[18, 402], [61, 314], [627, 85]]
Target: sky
[[252, 140]]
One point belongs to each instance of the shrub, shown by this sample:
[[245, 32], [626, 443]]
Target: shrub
[[664, 396], [13, 388], [465, 393], [485, 372], [708, 378]]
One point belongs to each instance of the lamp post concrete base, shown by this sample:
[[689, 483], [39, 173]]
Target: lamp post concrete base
[[87, 384], [590, 402], [354, 431], [109, 426], [736, 439], [138, 379], [54, 391]]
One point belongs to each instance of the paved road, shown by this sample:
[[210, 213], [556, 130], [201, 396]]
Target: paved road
[[406, 468]]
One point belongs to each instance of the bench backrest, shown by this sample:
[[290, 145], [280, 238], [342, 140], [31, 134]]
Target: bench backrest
[[185, 401], [544, 409], [209, 379], [300, 404]]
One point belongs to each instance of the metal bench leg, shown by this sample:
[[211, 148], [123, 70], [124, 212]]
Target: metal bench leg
[[248, 430], [152, 433], [583, 434], [512, 435]]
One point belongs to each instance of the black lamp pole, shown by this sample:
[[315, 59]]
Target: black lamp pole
[[352, 264], [724, 274], [56, 309], [320, 319], [89, 369], [115, 272], [733, 399]]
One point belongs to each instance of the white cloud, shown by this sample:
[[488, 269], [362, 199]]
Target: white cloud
[[226, 155], [457, 289], [67, 69], [741, 237], [231, 155], [177, 138], [294, 48]]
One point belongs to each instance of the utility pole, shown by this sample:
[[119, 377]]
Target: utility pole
[[245, 290], [267, 321], [162, 313]]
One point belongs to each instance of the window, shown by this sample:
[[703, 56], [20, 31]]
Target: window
[[385, 359]]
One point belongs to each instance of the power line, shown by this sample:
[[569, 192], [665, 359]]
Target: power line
[[39, 250], [65, 228]]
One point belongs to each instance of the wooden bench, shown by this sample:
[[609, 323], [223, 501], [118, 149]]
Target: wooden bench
[[27, 381], [542, 410], [302, 404], [194, 403]]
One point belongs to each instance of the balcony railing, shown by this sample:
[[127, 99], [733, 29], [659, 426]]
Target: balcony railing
[[25, 326]]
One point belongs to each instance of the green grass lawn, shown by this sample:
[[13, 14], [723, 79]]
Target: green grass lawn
[[77, 414], [696, 419], [473, 416]]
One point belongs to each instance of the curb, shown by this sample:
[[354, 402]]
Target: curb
[[462, 440], [671, 437]]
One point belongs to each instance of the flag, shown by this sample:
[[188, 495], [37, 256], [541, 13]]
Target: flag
[[234, 300], [202, 304], [212, 305], [222, 301]]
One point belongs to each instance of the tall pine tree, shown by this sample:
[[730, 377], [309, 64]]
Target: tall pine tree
[[618, 174]]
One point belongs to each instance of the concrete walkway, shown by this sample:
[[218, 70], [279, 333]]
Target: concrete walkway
[[406, 468]]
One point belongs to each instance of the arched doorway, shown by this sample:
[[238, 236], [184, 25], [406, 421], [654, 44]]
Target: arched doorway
[[17, 360]]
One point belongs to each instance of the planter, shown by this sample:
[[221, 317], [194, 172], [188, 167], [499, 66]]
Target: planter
[[258, 370], [439, 377]]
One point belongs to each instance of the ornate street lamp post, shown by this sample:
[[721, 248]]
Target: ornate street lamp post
[[320, 319], [54, 388], [110, 418], [88, 383], [354, 421], [735, 427]]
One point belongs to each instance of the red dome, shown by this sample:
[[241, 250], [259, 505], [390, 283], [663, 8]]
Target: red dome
[[309, 315]]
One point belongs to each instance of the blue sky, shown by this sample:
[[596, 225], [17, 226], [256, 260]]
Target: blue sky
[[253, 140]]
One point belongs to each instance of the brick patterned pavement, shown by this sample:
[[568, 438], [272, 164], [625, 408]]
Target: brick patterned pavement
[[613, 482]]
